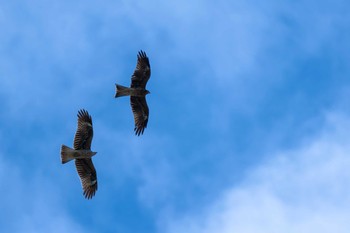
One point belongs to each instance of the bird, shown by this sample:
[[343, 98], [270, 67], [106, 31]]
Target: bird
[[137, 92], [82, 154]]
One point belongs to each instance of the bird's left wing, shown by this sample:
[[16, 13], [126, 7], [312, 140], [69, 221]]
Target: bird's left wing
[[141, 113], [88, 177]]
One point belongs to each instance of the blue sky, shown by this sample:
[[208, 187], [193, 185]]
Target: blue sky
[[249, 116]]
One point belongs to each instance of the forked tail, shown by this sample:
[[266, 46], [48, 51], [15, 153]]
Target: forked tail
[[67, 154], [121, 91]]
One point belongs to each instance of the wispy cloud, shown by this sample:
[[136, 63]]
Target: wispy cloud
[[32, 202], [230, 82], [302, 190]]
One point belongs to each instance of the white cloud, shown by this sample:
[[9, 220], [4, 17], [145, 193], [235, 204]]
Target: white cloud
[[303, 190], [235, 48]]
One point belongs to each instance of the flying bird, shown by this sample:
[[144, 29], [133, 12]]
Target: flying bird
[[137, 92], [82, 154]]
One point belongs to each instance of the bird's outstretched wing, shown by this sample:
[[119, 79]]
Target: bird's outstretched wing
[[88, 177], [84, 134], [140, 110], [142, 72]]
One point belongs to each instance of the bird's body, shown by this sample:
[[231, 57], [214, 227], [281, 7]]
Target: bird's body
[[129, 91], [68, 154], [137, 92], [82, 154]]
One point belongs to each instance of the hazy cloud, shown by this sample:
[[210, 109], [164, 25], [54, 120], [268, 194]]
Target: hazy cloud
[[305, 189], [32, 202]]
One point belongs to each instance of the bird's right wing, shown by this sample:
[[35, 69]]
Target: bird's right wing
[[142, 71], [84, 134]]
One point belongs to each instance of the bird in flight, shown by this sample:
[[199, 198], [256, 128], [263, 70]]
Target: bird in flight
[[82, 154], [137, 92]]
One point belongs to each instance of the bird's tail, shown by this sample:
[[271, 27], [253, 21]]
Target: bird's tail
[[121, 91], [67, 154]]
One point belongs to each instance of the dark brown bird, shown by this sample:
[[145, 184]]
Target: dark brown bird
[[137, 92], [82, 154]]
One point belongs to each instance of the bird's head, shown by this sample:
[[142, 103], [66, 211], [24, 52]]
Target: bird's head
[[93, 153], [147, 92]]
